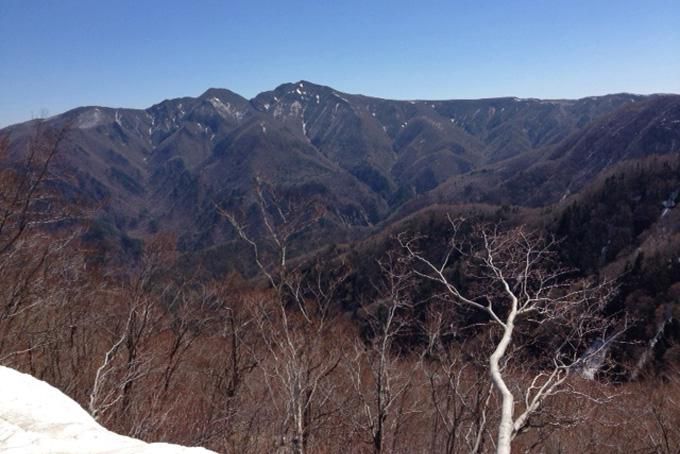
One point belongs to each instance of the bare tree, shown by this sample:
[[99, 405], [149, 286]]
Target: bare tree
[[107, 389], [140, 311], [281, 218], [298, 361], [298, 365], [27, 208], [41, 262], [522, 291], [228, 418], [381, 379], [459, 387]]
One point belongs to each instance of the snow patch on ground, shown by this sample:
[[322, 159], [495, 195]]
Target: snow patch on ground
[[36, 418]]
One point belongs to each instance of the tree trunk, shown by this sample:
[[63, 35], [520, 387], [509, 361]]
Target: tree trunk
[[505, 427]]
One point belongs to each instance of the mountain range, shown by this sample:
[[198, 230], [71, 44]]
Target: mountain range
[[363, 162]]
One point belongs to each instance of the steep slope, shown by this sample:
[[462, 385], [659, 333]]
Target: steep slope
[[635, 131], [549, 173], [404, 148]]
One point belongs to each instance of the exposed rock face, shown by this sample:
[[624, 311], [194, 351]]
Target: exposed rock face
[[36, 418]]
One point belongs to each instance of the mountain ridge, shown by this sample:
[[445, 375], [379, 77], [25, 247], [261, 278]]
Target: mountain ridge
[[307, 82], [360, 159]]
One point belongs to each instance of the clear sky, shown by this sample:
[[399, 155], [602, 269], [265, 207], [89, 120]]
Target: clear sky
[[56, 55]]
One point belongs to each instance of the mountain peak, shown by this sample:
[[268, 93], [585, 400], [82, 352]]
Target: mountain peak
[[222, 94], [301, 86]]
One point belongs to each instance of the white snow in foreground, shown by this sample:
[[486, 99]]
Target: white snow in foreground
[[36, 418]]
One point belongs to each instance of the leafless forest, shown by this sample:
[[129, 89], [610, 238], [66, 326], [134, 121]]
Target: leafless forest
[[275, 365]]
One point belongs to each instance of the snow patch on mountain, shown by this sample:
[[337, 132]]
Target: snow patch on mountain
[[226, 110], [90, 119]]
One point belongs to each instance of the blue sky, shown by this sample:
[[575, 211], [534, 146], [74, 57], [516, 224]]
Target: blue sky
[[56, 55]]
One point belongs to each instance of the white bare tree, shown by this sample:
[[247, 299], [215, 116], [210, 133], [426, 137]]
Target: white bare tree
[[523, 292]]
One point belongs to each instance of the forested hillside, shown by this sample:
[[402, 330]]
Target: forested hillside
[[313, 271]]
